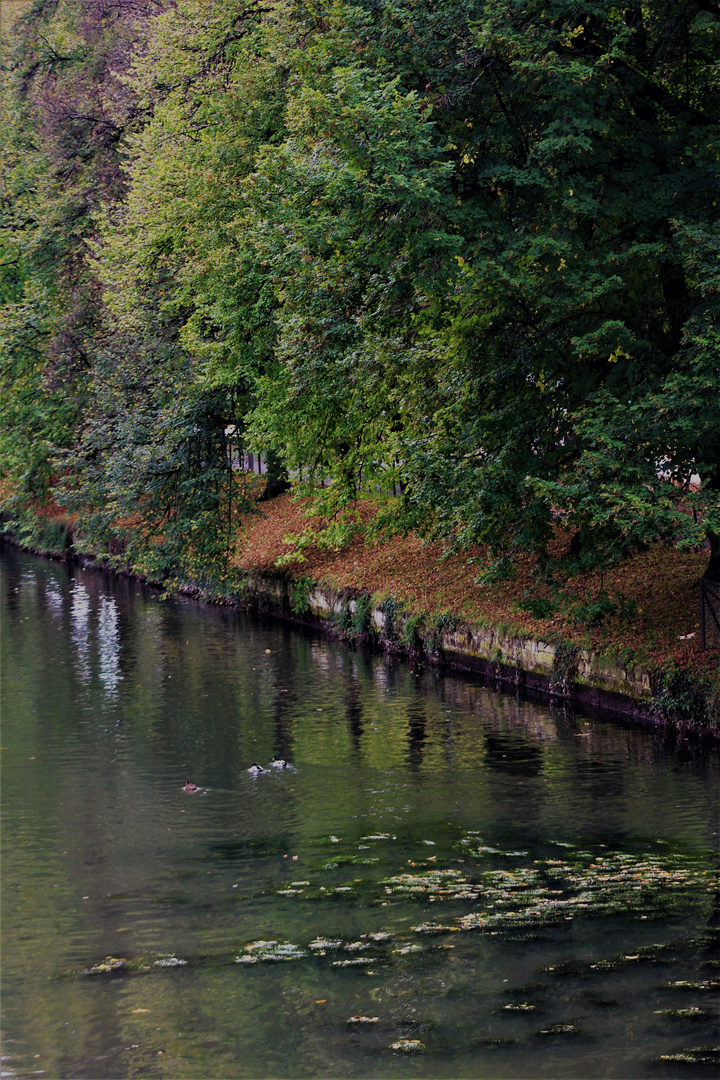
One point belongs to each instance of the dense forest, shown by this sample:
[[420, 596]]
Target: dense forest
[[460, 257]]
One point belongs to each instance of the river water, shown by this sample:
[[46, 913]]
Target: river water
[[448, 882]]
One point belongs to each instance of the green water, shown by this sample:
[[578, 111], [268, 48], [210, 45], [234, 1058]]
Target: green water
[[521, 892]]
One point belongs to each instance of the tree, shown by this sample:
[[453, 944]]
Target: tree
[[580, 147], [187, 317], [67, 107], [464, 251], [579, 351]]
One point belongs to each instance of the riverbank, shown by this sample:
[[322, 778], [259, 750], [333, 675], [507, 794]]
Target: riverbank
[[625, 643]]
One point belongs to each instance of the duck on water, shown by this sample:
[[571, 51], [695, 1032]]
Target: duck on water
[[276, 763]]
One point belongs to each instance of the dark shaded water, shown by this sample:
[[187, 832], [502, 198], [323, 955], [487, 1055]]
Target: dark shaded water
[[540, 887]]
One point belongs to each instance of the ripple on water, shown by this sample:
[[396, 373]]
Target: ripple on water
[[447, 865]]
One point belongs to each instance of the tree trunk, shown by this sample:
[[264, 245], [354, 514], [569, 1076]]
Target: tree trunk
[[277, 478]]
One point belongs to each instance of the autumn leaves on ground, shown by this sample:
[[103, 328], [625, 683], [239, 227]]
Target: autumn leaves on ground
[[645, 609]]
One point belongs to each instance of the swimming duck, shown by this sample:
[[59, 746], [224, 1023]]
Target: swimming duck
[[190, 787], [278, 762], [255, 769]]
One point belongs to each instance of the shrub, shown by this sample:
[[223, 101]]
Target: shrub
[[684, 697], [361, 620], [591, 612], [343, 619], [412, 633], [390, 610], [299, 593], [540, 607], [441, 624]]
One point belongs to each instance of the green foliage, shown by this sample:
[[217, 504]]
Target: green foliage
[[540, 607], [412, 633], [593, 610], [685, 697], [439, 625], [391, 611], [337, 532], [344, 617], [362, 616], [66, 108], [564, 666], [54, 537], [300, 589], [425, 255], [496, 570]]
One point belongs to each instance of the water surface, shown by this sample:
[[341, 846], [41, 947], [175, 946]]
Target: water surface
[[522, 892]]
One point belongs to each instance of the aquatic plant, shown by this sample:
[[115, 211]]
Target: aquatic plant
[[110, 963], [695, 1055], [269, 951], [355, 961], [407, 1046], [169, 960], [321, 945], [693, 1013]]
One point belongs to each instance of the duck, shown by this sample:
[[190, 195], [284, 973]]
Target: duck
[[190, 787], [279, 763], [255, 769]]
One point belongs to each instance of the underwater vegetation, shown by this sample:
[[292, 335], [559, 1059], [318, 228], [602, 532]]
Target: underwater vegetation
[[695, 1055], [544, 892], [407, 1046], [264, 951], [484, 889]]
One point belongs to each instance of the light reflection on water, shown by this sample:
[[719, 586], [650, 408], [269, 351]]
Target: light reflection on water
[[80, 619], [108, 645], [113, 698]]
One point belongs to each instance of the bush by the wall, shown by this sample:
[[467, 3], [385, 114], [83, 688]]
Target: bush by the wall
[[685, 697]]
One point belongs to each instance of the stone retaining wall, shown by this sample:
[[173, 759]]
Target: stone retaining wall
[[555, 669], [503, 656]]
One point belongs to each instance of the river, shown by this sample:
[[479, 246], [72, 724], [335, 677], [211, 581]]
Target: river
[[447, 881]]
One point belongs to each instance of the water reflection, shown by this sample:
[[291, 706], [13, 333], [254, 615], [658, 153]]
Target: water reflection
[[80, 621], [53, 598], [397, 772], [109, 645], [354, 710], [416, 723]]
